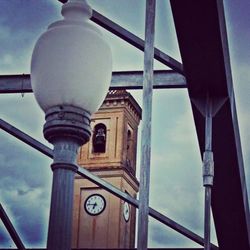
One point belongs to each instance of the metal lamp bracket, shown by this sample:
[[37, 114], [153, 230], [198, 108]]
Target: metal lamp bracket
[[216, 102]]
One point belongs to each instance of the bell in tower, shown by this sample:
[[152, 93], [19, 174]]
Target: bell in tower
[[101, 220], [99, 138]]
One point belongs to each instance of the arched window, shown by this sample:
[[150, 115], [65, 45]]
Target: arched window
[[128, 139], [99, 138], [129, 148]]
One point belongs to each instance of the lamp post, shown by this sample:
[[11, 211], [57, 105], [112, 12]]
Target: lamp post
[[70, 75]]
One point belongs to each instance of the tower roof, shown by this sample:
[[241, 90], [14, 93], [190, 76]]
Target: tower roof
[[122, 96]]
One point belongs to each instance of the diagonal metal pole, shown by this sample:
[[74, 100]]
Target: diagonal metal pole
[[7, 127], [104, 184], [146, 126], [9, 226], [134, 40], [152, 212]]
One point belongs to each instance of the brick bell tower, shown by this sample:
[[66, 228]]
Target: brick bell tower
[[101, 220]]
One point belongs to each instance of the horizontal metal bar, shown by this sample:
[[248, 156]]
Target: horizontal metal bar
[[25, 138], [15, 84], [121, 79], [10, 228], [107, 186], [134, 79]]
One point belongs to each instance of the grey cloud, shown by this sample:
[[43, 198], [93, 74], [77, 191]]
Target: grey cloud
[[176, 170], [21, 22], [176, 163], [25, 184], [162, 236], [5, 239], [25, 180], [22, 192], [27, 15], [238, 22]]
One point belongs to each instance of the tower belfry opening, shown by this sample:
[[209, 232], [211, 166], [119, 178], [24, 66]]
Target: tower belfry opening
[[99, 138]]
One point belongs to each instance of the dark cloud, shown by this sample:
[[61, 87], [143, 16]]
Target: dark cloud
[[21, 22], [5, 238], [238, 23], [27, 14], [25, 184], [25, 180]]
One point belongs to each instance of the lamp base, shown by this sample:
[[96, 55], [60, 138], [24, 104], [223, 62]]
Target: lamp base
[[67, 128], [66, 121]]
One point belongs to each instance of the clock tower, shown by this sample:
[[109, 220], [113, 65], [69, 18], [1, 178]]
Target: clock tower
[[100, 219]]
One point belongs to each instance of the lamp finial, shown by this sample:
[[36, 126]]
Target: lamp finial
[[76, 10]]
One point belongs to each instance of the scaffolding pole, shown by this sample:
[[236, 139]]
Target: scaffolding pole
[[146, 126]]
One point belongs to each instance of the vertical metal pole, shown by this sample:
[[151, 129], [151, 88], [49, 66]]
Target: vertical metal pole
[[146, 127], [208, 172], [61, 209], [207, 218]]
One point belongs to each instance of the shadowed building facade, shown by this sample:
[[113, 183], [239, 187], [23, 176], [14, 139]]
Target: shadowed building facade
[[101, 220]]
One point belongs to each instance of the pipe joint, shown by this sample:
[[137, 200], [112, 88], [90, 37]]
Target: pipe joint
[[208, 168]]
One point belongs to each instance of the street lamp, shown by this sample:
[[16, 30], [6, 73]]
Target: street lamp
[[70, 75]]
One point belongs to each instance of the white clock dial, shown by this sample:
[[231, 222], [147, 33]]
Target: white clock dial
[[95, 204], [126, 211]]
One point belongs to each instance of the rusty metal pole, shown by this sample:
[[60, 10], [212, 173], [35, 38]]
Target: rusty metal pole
[[146, 127], [208, 172]]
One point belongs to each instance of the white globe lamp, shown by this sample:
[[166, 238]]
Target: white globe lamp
[[71, 62], [71, 70]]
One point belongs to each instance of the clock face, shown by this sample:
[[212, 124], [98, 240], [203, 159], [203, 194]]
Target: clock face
[[126, 211], [95, 204]]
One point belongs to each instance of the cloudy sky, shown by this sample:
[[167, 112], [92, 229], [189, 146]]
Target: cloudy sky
[[176, 183]]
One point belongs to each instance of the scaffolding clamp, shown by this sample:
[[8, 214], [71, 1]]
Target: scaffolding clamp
[[208, 168]]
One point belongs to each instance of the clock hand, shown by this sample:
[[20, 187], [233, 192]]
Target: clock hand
[[91, 204]]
